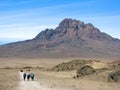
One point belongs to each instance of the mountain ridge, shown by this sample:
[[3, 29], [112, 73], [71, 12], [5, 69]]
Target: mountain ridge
[[72, 38]]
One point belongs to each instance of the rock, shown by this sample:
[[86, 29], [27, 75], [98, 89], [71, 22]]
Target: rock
[[114, 76], [85, 70]]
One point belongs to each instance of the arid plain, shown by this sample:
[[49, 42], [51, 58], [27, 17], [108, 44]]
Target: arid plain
[[50, 79]]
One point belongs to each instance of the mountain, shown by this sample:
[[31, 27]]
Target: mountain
[[72, 38]]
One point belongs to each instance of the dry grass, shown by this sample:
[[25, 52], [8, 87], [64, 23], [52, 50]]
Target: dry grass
[[64, 81], [50, 79], [23, 62], [8, 79], [9, 68]]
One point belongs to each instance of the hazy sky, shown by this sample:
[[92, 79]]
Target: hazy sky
[[24, 19]]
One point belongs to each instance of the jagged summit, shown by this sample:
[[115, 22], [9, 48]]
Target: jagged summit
[[71, 23], [72, 38], [75, 24], [71, 29]]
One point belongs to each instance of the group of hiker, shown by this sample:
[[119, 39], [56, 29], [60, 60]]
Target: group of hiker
[[27, 75]]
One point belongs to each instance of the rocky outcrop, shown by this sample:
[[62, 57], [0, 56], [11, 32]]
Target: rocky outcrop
[[85, 70], [114, 76]]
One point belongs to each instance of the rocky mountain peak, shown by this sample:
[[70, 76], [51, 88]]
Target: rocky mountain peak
[[46, 34], [71, 23], [77, 26], [71, 29]]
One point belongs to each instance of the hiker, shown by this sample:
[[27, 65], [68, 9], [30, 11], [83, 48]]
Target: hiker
[[21, 74], [24, 76], [28, 75], [32, 75]]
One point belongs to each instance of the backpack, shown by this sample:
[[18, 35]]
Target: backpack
[[32, 75]]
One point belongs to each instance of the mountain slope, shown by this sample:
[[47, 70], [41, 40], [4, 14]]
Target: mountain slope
[[72, 38]]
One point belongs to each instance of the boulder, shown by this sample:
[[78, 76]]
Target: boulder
[[85, 70], [114, 76]]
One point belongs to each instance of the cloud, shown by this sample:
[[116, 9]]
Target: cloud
[[26, 32]]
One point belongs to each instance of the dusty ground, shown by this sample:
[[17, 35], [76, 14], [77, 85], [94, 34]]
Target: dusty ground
[[65, 81], [22, 62], [51, 80], [8, 79], [9, 68]]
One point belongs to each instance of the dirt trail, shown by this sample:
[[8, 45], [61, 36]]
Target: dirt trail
[[30, 85], [82, 84]]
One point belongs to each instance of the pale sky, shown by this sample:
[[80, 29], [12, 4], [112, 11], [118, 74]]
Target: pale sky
[[24, 19]]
